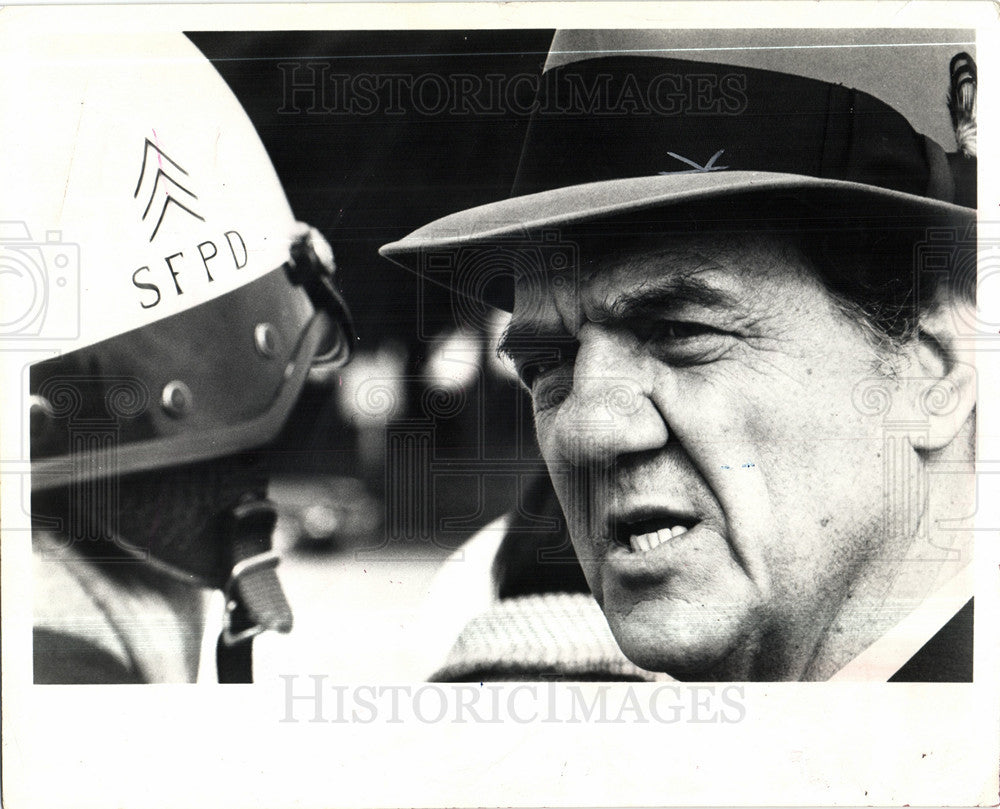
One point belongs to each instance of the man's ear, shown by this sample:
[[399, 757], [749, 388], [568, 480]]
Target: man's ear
[[943, 382]]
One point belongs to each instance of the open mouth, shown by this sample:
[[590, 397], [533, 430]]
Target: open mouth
[[648, 533]]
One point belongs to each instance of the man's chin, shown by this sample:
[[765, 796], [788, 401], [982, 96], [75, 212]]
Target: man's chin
[[684, 642]]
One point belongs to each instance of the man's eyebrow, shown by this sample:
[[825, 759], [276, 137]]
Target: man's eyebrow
[[655, 297], [522, 335]]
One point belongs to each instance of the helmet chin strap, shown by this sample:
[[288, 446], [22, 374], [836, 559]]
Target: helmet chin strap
[[255, 602]]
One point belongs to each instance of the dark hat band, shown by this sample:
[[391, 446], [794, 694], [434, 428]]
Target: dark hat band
[[626, 116]]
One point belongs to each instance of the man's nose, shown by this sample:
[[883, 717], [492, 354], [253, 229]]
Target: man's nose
[[609, 411]]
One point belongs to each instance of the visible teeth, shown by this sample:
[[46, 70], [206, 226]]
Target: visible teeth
[[646, 542], [641, 542]]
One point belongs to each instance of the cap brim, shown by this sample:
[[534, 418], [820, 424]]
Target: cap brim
[[594, 202]]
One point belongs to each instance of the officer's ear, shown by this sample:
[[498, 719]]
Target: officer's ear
[[942, 385]]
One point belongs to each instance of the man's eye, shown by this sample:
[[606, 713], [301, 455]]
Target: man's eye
[[549, 381], [687, 342], [532, 370], [681, 330]]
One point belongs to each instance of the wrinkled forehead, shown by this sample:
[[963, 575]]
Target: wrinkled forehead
[[707, 268]]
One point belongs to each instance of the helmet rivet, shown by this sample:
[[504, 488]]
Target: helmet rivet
[[177, 399], [265, 339]]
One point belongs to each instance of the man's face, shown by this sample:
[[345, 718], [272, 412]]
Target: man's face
[[694, 407]]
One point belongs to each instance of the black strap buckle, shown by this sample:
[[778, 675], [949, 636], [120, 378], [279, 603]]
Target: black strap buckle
[[255, 602], [235, 614]]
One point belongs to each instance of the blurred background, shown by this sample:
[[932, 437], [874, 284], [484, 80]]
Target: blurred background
[[426, 437]]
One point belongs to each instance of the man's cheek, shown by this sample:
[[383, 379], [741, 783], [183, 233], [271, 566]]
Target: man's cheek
[[728, 401], [545, 435], [786, 396], [590, 559]]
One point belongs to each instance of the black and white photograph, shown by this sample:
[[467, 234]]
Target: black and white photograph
[[500, 405]]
